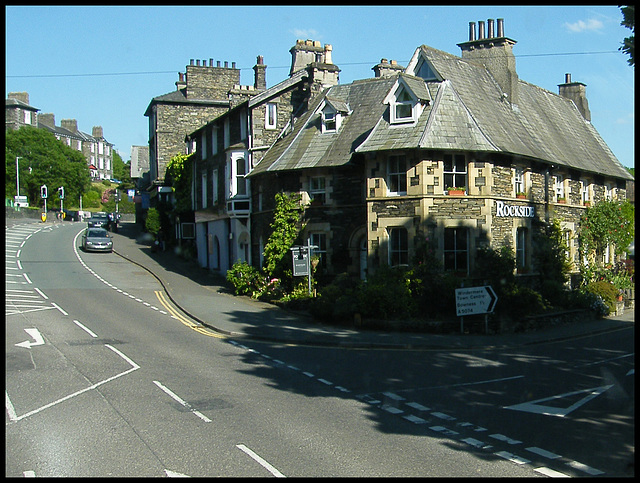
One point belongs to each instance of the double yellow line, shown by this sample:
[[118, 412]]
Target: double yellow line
[[177, 315]]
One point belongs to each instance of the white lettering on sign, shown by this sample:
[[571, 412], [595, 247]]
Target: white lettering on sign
[[514, 210]]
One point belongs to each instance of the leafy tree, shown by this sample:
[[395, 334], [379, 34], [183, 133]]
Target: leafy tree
[[629, 21], [178, 175], [606, 223], [44, 161], [549, 253], [122, 170]]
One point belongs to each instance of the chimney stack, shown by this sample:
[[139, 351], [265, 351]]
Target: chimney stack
[[19, 96], [496, 54], [577, 92], [47, 119], [97, 132], [69, 124], [386, 69], [260, 77]]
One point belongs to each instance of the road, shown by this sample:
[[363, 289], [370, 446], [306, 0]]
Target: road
[[105, 378]]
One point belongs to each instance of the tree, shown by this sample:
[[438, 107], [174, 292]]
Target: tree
[[122, 171], [606, 223], [629, 21], [178, 175], [44, 160]]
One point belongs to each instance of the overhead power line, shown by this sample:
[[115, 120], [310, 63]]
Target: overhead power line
[[271, 67]]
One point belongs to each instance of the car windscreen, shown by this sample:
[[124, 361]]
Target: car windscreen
[[97, 233]]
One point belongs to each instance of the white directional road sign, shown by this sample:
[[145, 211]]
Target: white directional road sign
[[475, 300]]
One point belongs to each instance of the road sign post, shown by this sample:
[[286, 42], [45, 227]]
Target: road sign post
[[475, 300]]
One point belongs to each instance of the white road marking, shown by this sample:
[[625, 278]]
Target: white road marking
[[585, 468], [506, 439], [261, 461], [542, 452], [442, 416], [183, 402], [550, 473], [534, 407], [82, 391], [418, 406], [414, 419], [59, 308], [84, 328], [35, 335], [511, 457]]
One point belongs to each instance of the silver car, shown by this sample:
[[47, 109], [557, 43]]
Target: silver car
[[96, 240]]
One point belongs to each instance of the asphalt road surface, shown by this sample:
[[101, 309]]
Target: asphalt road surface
[[105, 378]]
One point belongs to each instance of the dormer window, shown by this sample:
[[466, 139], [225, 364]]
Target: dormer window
[[329, 120], [424, 70], [403, 107]]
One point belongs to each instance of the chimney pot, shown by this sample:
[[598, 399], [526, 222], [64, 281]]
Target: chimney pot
[[217, 63], [500, 27], [472, 31], [260, 60], [481, 30], [197, 62], [210, 62], [394, 62], [191, 62], [226, 64], [567, 78], [490, 28]]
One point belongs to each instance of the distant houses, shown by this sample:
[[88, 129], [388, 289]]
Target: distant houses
[[95, 148]]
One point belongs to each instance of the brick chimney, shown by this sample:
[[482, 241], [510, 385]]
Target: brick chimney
[[386, 68], [69, 125], [181, 83], [47, 119], [495, 52], [19, 96], [97, 132], [577, 92], [260, 74]]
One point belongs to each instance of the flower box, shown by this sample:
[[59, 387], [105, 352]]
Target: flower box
[[455, 191], [587, 204], [521, 196], [562, 201]]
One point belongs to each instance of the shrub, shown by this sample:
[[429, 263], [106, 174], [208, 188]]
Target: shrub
[[152, 223], [518, 302], [246, 280], [606, 291]]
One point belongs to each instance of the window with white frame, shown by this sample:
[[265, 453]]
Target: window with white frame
[[397, 175], [398, 247], [455, 171], [241, 180], [27, 117], [204, 189], [318, 189], [271, 116], [456, 249], [424, 70], [100, 148], [584, 191], [320, 241], [608, 192], [402, 107], [329, 120], [519, 181], [559, 186]]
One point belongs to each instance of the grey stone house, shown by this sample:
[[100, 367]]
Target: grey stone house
[[389, 149], [203, 92], [228, 148], [18, 112], [95, 148]]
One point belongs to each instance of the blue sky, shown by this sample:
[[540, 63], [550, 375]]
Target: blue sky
[[103, 65]]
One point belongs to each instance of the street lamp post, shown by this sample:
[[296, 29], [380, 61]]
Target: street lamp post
[[18, 176]]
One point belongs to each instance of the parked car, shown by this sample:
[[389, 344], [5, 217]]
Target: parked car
[[96, 240], [98, 220]]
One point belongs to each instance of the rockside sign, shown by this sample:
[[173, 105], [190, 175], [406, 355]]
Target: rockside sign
[[475, 300]]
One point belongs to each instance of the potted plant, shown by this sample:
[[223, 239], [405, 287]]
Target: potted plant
[[521, 196], [456, 191], [562, 200], [587, 204]]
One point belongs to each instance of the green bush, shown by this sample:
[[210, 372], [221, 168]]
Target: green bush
[[518, 302], [386, 295], [246, 280], [605, 290], [152, 223]]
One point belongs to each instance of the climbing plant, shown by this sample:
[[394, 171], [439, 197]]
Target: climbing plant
[[285, 228], [606, 223]]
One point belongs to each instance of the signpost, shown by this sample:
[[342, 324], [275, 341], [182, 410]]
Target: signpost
[[302, 262], [475, 300]]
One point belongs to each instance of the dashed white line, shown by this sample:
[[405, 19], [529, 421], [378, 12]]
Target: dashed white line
[[181, 401], [585, 468], [550, 473], [542, 452], [270, 468], [84, 328], [511, 457]]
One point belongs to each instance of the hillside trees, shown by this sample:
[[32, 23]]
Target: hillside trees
[[43, 161]]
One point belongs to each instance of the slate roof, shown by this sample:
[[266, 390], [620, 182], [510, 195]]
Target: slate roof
[[307, 147], [468, 113], [10, 102], [179, 97]]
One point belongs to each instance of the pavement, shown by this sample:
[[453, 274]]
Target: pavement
[[204, 297]]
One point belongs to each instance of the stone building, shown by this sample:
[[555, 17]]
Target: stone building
[[96, 149], [203, 92], [389, 151], [228, 148], [18, 112]]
